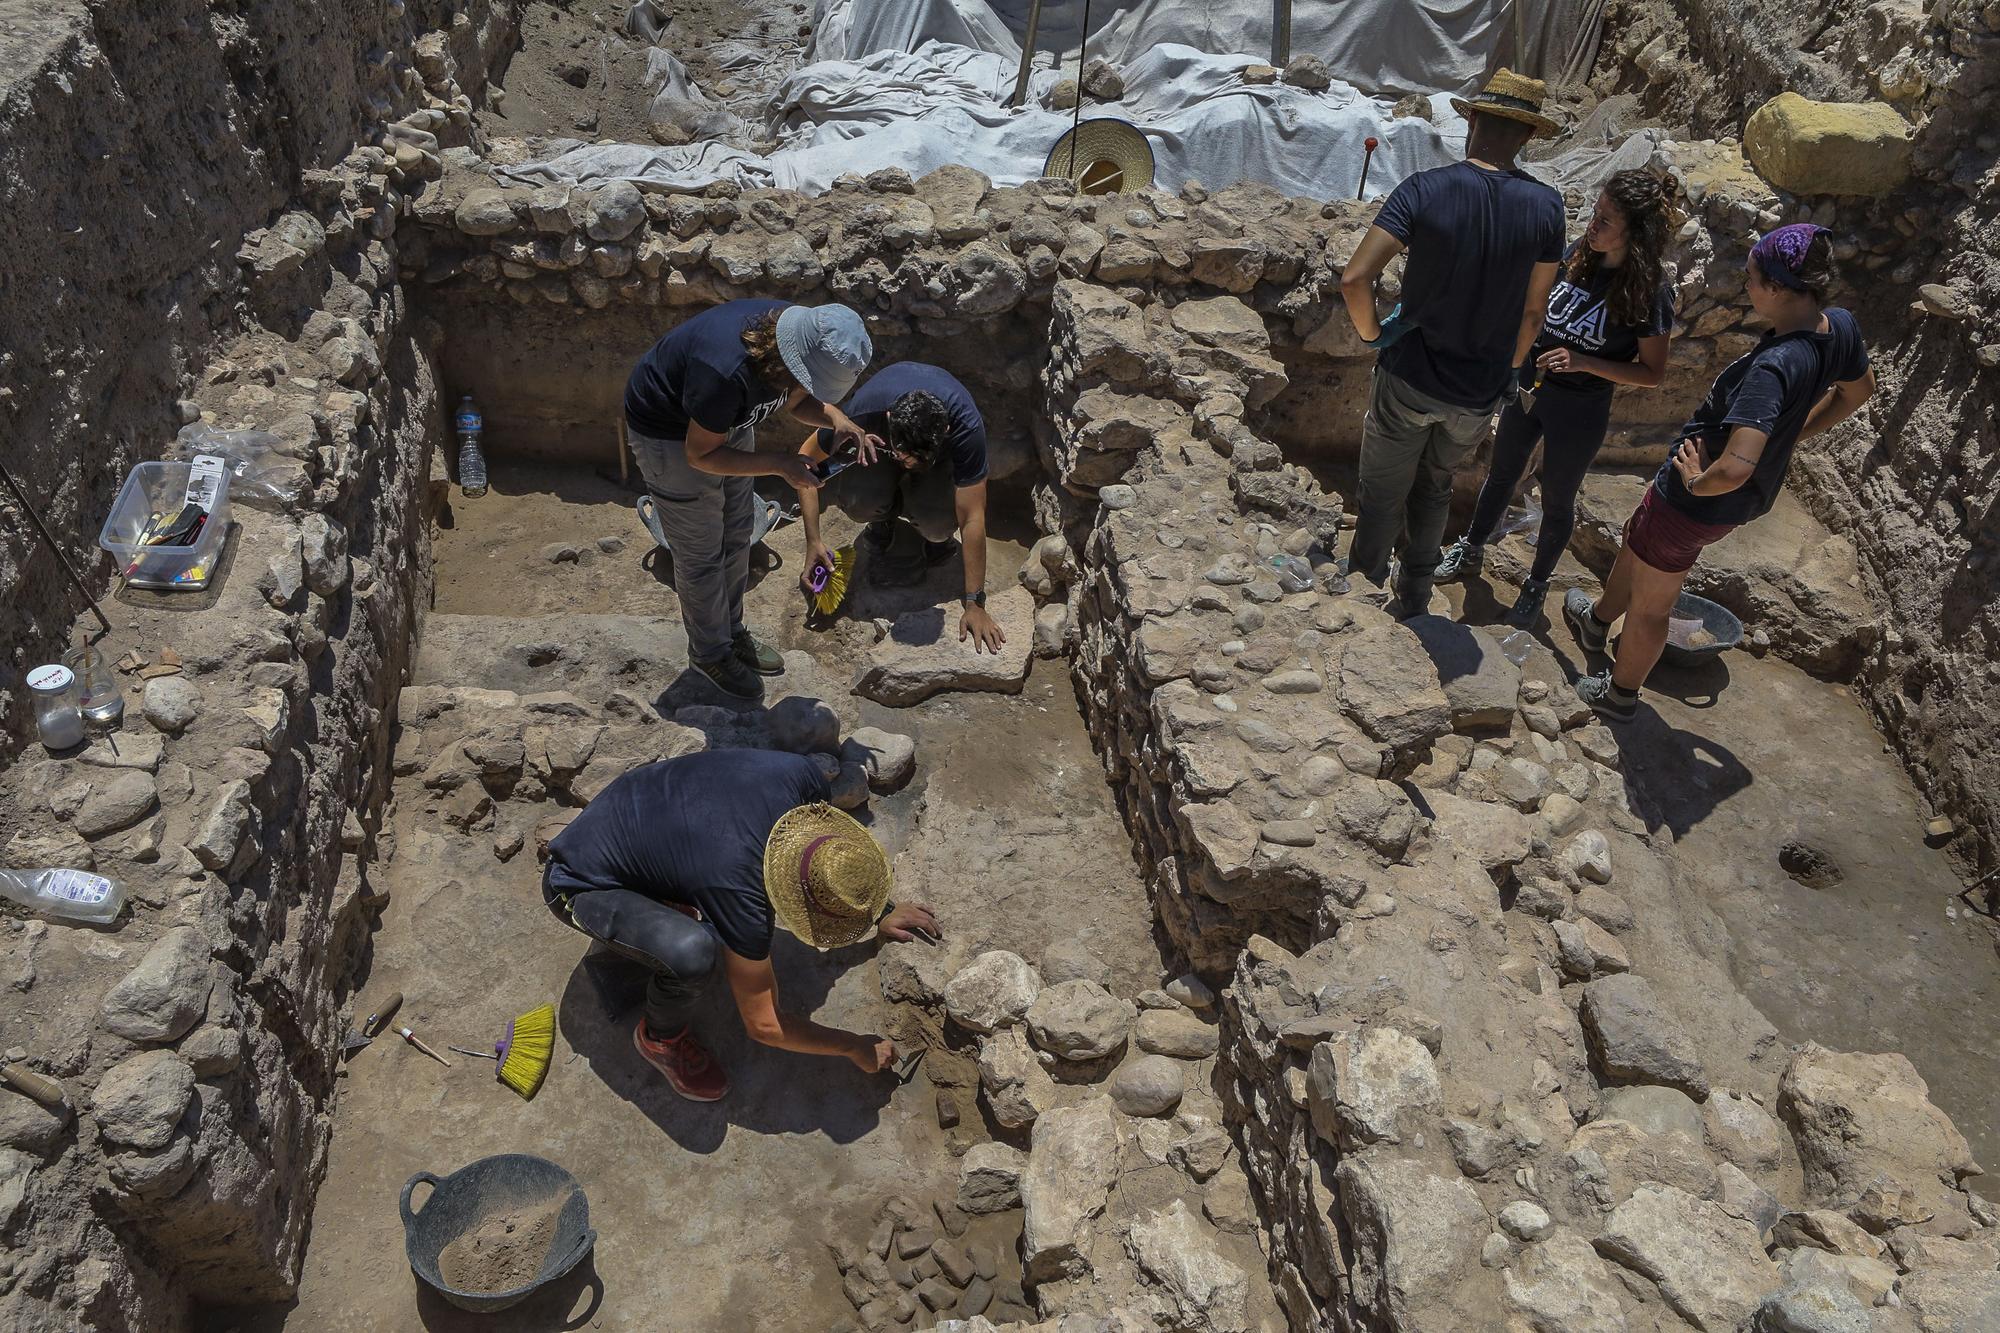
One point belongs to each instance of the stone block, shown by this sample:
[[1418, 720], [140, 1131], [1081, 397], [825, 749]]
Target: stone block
[[1841, 148]]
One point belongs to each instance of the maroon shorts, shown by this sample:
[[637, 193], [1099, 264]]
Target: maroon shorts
[[1665, 538]]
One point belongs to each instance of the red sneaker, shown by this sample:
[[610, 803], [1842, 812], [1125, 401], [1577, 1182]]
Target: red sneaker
[[691, 1071]]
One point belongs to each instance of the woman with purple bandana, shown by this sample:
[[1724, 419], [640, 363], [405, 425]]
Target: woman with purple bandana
[[1809, 373]]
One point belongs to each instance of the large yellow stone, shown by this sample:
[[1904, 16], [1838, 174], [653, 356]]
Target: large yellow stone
[[1811, 147]]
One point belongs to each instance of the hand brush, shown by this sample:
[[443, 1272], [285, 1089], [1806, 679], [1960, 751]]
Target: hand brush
[[522, 1056], [829, 583]]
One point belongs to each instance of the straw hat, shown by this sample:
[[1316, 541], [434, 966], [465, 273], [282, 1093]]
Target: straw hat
[[826, 876], [1514, 96], [1112, 156]]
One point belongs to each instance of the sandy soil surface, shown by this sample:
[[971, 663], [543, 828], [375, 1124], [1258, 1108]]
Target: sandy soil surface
[[708, 1217], [1746, 755]]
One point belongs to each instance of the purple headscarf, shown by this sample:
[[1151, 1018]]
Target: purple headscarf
[[1780, 253]]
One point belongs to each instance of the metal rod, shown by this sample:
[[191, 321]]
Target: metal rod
[[1281, 33], [1521, 37], [1369, 144], [48, 539], [1076, 120], [1028, 56]]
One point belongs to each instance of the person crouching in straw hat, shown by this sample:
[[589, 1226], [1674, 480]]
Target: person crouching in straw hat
[[1484, 238], [689, 864]]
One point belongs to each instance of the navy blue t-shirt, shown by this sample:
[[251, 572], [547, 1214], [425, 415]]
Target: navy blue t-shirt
[[690, 830], [869, 409], [1579, 317], [1772, 388], [1473, 236], [699, 372]]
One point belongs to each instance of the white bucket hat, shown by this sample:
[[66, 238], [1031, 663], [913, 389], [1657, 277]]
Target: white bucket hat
[[825, 347]]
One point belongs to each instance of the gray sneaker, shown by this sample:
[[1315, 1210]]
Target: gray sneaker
[[1579, 613], [1461, 560], [730, 674]]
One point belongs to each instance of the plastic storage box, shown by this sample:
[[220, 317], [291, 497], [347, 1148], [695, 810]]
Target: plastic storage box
[[156, 492]]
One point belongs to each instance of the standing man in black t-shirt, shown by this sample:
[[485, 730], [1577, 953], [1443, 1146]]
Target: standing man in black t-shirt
[[693, 862], [1609, 322], [928, 482], [1484, 238], [691, 411]]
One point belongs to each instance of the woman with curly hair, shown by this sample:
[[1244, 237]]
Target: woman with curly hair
[[692, 407], [1806, 375], [1608, 323]]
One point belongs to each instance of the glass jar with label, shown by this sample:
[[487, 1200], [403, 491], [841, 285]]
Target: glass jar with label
[[97, 692], [58, 719]]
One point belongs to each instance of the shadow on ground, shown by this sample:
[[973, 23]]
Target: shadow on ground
[[767, 1094]]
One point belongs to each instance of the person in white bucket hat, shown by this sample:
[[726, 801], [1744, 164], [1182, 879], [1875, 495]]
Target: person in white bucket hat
[[692, 406]]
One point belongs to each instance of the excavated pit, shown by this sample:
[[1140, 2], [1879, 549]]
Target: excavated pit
[[1514, 1015]]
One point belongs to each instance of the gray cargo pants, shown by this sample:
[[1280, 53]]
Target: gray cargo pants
[[709, 522], [1411, 443]]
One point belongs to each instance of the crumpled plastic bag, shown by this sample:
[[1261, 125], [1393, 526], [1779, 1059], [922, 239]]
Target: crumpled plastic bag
[[261, 473]]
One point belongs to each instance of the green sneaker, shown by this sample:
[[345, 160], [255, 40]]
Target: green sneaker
[[759, 656], [733, 677]]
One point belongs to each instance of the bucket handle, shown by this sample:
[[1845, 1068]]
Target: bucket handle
[[576, 1253], [409, 1188]]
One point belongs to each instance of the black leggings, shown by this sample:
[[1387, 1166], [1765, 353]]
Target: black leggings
[[1571, 428], [679, 951]]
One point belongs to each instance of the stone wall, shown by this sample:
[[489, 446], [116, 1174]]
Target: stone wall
[[197, 1040], [1459, 1035], [138, 143]]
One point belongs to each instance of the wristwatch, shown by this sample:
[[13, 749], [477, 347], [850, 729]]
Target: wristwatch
[[973, 599]]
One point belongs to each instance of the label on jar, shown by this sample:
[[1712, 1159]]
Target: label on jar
[[51, 679], [78, 887]]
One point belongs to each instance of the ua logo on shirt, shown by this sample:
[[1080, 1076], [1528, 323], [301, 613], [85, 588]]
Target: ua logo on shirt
[[1575, 317]]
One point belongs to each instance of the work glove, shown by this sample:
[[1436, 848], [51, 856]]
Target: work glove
[[1394, 327]]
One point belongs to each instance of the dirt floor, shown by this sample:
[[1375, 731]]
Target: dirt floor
[[1747, 756], [708, 1217], [576, 75]]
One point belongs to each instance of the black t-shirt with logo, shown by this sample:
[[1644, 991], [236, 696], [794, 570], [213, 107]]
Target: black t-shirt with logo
[[701, 373], [1579, 317]]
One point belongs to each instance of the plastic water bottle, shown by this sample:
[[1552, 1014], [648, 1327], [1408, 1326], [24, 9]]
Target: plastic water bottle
[[76, 895], [471, 463]]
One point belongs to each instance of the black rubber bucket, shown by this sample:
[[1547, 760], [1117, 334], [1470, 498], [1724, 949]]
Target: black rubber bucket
[[1717, 620], [468, 1196]]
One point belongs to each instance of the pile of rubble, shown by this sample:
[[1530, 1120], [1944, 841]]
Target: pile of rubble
[[1108, 1135]]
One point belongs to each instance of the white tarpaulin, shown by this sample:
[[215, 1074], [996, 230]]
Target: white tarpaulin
[[920, 84], [1389, 47]]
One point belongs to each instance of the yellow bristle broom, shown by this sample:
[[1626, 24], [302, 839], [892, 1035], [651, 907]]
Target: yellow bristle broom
[[830, 590], [521, 1058]]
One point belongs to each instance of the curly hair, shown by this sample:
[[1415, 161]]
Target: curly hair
[[919, 425], [760, 341], [1650, 222]]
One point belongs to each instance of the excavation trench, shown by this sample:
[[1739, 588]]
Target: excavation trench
[[551, 612]]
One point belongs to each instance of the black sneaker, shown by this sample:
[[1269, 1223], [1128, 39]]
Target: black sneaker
[[1413, 599], [1527, 608], [1579, 613], [1461, 560], [1612, 702], [733, 677], [759, 656], [936, 553], [879, 534]]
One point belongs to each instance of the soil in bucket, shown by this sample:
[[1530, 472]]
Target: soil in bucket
[[505, 1250]]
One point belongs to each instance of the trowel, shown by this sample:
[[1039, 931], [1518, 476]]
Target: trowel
[[906, 1067], [371, 1026]]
